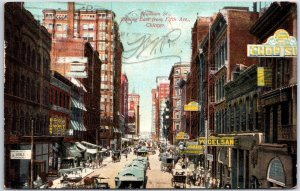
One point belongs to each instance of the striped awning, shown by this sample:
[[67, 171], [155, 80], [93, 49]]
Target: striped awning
[[78, 104], [75, 125], [79, 145]]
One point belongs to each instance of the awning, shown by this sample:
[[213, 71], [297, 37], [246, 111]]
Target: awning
[[74, 125], [79, 145], [91, 151], [82, 127], [124, 139], [78, 104], [78, 83], [72, 151], [90, 144]]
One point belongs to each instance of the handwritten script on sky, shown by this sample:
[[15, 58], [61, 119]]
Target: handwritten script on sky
[[155, 35]]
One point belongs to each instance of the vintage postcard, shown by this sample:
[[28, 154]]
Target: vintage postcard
[[150, 95]]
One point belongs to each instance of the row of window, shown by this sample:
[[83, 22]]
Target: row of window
[[29, 56], [59, 98], [239, 117], [21, 124], [281, 70], [220, 91], [25, 87], [221, 55]]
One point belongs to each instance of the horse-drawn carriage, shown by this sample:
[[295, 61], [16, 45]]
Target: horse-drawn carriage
[[179, 178], [116, 156], [167, 163], [101, 182]]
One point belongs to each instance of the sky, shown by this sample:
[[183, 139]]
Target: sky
[[155, 35]]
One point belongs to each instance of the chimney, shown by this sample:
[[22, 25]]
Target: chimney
[[255, 7], [71, 10]]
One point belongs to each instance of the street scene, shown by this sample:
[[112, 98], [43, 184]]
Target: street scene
[[150, 95]]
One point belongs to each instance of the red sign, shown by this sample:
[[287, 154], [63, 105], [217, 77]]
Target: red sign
[[131, 105]]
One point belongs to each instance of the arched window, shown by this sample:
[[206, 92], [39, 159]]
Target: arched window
[[38, 92], [217, 87], [16, 84], [16, 48], [22, 123], [39, 62], [23, 52], [23, 87], [32, 59], [7, 120], [28, 56], [7, 84], [37, 125], [222, 87], [14, 123], [28, 88], [276, 172], [27, 124]]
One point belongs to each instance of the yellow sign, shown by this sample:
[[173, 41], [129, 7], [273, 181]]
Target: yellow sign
[[281, 44], [188, 151], [194, 147], [182, 136], [218, 141], [192, 106], [264, 76]]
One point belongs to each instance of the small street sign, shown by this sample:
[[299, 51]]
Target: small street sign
[[20, 154], [210, 157]]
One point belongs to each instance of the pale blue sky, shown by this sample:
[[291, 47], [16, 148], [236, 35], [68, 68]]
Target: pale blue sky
[[173, 42]]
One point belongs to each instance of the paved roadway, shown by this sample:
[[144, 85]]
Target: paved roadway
[[156, 178]]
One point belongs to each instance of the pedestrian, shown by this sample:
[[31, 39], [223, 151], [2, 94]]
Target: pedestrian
[[126, 156], [149, 165]]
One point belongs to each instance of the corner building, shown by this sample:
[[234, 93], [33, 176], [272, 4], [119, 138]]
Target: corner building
[[98, 28]]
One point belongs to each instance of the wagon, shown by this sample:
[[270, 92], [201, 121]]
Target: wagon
[[166, 163], [179, 179], [131, 178]]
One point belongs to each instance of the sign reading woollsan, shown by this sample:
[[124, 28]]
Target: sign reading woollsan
[[281, 44], [218, 141]]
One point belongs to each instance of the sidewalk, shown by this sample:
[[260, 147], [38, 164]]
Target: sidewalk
[[85, 172]]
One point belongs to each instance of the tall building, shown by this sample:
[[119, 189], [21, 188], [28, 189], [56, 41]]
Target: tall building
[[134, 111], [179, 71], [195, 84], [81, 66], [26, 95], [163, 91], [124, 101], [153, 114], [99, 28]]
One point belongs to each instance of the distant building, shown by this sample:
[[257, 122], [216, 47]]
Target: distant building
[[153, 114], [179, 71], [163, 91], [124, 102], [134, 111]]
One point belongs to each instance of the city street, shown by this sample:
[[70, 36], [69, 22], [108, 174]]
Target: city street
[[156, 178], [211, 88]]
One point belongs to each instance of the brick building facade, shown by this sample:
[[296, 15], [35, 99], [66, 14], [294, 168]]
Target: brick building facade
[[26, 95], [179, 71]]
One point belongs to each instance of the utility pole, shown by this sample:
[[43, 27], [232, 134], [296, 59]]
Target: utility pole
[[32, 155]]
